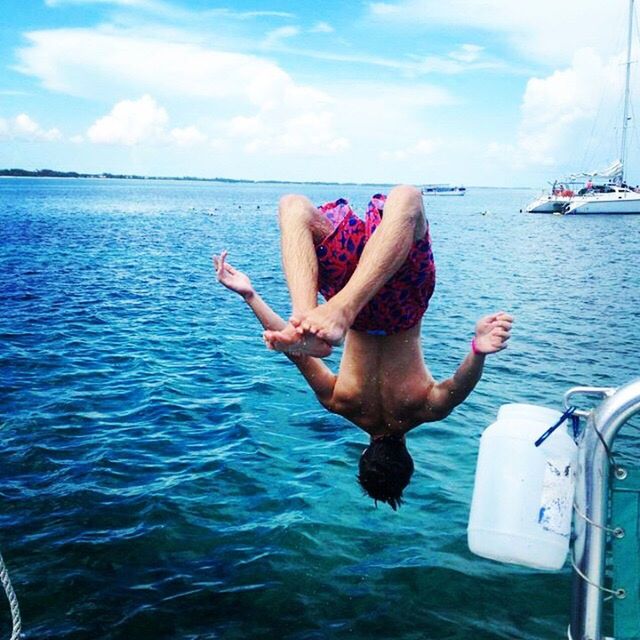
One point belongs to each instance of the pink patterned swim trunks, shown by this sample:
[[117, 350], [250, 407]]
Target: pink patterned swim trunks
[[402, 301]]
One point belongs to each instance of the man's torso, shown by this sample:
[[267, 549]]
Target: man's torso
[[383, 384]]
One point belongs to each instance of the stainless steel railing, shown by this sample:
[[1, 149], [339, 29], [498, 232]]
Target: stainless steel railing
[[592, 503]]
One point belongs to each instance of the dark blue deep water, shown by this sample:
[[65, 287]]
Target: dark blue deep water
[[162, 475]]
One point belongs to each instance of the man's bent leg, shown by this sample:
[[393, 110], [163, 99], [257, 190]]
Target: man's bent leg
[[402, 224], [302, 226]]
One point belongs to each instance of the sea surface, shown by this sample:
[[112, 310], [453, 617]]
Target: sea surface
[[163, 475]]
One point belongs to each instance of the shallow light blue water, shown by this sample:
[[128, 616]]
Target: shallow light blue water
[[163, 476]]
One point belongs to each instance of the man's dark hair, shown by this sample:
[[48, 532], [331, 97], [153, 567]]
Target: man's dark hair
[[385, 470]]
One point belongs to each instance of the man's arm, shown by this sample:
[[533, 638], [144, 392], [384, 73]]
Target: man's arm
[[492, 333], [319, 377]]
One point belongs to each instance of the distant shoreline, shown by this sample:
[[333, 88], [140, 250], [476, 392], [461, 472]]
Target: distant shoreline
[[51, 173]]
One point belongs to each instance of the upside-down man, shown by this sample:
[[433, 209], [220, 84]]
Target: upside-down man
[[377, 276]]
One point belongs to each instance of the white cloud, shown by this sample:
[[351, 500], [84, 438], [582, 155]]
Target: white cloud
[[423, 147], [187, 136], [99, 63], [558, 112], [467, 57], [137, 122], [467, 53], [547, 30], [322, 27], [131, 122], [90, 63], [307, 133], [278, 35], [123, 3], [384, 9], [22, 127], [249, 15]]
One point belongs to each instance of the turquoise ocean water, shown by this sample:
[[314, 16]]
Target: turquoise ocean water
[[162, 475]]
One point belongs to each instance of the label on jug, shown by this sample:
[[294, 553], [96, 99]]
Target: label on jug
[[556, 501]]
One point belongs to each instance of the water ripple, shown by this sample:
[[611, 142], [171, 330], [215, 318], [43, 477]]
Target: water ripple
[[164, 476]]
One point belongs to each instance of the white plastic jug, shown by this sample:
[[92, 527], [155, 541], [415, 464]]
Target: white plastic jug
[[522, 502]]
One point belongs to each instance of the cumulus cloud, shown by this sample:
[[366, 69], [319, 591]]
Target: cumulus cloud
[[22, 127], [558, 110], [102, 63], [131, 122], [142, 121]]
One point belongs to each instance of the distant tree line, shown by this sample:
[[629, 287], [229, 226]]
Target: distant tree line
[[50, 173]]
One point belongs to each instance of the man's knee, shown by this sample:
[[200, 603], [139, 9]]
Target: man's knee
[[406, 197], [406, 201], [404, 204], [295, 207]]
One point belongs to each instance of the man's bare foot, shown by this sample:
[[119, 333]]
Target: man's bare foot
[[290, 340], [328, 322]]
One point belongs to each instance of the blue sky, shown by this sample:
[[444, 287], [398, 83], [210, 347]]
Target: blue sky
[[484, 92]]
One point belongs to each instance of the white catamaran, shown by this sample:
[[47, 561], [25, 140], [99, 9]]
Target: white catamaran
[[612, 195]]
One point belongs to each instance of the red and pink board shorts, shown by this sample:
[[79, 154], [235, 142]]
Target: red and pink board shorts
[[402, 301]]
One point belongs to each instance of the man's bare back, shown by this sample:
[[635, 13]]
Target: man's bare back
[[383, 385]]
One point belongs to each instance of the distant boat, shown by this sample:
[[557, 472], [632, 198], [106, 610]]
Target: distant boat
[[611, 198], [442, 190], [571, 195], [612, 195]]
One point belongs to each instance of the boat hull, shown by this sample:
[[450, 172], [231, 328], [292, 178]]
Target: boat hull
[[548, 204], [627, 204], [443, 190]]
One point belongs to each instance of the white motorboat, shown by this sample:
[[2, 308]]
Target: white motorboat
[[442, 190], [610, 197]]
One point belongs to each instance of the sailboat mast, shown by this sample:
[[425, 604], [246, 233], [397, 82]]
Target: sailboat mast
[[625, 117]]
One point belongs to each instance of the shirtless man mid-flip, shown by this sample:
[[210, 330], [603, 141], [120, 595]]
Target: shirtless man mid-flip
[[377, 276]]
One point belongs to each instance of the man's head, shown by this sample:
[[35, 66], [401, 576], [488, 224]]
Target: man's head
[[385, 469]]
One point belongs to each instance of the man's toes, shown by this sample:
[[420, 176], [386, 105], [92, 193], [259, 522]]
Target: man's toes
[[324, 351], [332, 337]]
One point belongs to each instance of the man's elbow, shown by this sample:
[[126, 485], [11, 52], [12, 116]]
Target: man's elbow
[[437, 413], [327, 402], [443, 403]]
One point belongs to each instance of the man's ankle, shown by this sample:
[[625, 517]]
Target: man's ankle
[[302, 311], [345, 307]]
